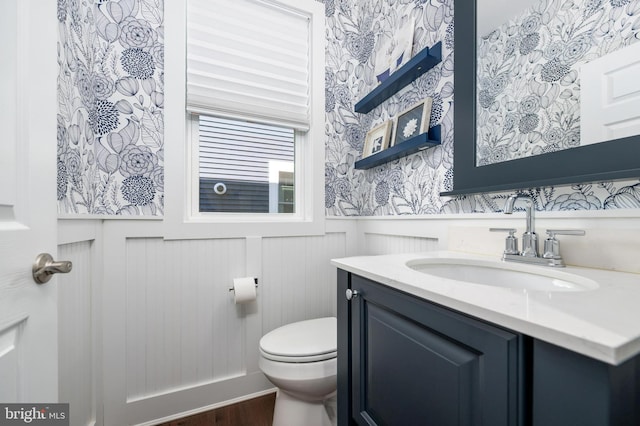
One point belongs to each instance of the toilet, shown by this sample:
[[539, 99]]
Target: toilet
[[300, 360]]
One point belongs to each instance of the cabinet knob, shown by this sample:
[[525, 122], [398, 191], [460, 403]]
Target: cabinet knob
[[350, 294]]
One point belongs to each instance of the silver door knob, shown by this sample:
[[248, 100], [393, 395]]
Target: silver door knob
[[350, 294], [45, 266]]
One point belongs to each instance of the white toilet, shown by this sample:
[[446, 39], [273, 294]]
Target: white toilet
[[300, 359]]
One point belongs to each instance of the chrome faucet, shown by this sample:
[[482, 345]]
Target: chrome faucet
[[529, 238], [530, 253]]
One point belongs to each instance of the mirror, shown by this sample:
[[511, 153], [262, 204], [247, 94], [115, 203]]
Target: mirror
[[611, 160], [554, 75]]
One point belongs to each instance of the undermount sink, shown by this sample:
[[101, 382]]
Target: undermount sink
[[500, 274]]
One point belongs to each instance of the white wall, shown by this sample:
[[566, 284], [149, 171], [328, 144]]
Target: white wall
[[157, 316], [159, 336], [80, 322], [612, 239]]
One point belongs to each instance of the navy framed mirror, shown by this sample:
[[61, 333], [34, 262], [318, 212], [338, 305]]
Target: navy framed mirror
[[605, 161]]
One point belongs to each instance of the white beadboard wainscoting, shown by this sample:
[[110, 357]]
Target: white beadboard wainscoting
[[75, 338], [174, 341], [159, 336], [386, 235], [295, 277], [79, 322], [375, 244], [75, 334], [182, 328]]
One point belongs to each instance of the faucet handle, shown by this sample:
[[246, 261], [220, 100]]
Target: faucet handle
[[511, 242], [552, 246], [511, 231], [553, 232]]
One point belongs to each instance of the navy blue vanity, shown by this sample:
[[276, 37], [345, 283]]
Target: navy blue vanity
[[404, 360]]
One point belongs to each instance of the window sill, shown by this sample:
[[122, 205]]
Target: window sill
[[242, 226]]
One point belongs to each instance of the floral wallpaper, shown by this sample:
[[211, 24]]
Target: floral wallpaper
[[528, 73], [110, 107], [111, 98], [411, 185]]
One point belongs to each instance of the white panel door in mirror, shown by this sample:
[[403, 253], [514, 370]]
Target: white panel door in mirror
[[8, 100], [610, 96]]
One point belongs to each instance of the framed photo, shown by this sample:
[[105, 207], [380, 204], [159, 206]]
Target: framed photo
[[412, 121], [377, 139], [392, 53], [383, 61], [403, 49]]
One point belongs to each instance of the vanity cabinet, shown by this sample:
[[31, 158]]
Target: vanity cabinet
[[571, 389], [406, 361]]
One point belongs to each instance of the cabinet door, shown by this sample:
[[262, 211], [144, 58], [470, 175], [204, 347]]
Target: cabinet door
[[416, 363], [573, 389]]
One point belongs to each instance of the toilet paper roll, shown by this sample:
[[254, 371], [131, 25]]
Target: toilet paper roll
[[244, 290]]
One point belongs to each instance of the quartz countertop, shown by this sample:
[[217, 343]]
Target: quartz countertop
[[603, 323]]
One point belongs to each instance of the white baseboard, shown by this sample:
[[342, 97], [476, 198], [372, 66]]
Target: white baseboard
[[208, 407]]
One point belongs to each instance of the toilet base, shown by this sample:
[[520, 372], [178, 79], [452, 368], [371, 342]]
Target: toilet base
[[291, 411]]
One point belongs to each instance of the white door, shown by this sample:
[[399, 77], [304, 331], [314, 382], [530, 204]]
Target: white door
[[610, 96], [28, 311]]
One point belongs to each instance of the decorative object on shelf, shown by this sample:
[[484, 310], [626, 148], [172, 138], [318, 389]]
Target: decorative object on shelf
[[412, 121], [417, 143], [403, 50], [377, 139], [425, 137], [422, 62], [392, 53], [383, 60]]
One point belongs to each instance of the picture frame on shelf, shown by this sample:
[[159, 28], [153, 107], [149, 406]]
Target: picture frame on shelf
[[377, 139], [403, 49], [382, 65], [393, 52], [412, 122]]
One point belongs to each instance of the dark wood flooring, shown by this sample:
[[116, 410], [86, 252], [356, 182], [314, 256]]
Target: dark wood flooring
[[253, 412]]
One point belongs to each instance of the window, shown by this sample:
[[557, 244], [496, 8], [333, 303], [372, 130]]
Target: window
[[286, 194], [245, 167], [253, 94]]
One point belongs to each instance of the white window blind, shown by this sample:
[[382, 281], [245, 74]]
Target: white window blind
[[248, 58]]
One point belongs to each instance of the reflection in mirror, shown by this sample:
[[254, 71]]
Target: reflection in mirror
[[531, 76], [8, 99]]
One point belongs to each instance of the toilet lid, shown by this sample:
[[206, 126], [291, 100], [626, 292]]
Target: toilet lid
[[304, 341]]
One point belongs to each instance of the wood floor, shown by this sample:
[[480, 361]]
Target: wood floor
[[253, 412]]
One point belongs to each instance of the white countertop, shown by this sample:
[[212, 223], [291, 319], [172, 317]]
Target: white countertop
[[603, 323]]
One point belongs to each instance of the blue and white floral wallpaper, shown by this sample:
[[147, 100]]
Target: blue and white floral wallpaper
[[110, 107], [528, 74], [110, 115], [411, 185]]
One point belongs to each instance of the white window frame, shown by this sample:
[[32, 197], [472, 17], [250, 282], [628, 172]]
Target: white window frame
[[275, 168], [181, 220]]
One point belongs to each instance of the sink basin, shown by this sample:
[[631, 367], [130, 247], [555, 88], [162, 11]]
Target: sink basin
[[501, 274]]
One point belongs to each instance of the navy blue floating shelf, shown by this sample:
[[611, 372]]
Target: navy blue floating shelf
[[426, 59], [410, 146]]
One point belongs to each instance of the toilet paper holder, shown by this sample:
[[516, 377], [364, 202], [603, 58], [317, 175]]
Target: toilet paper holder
[[255, 280]]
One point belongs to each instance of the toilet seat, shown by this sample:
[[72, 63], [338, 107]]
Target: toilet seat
[[300, 342]]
